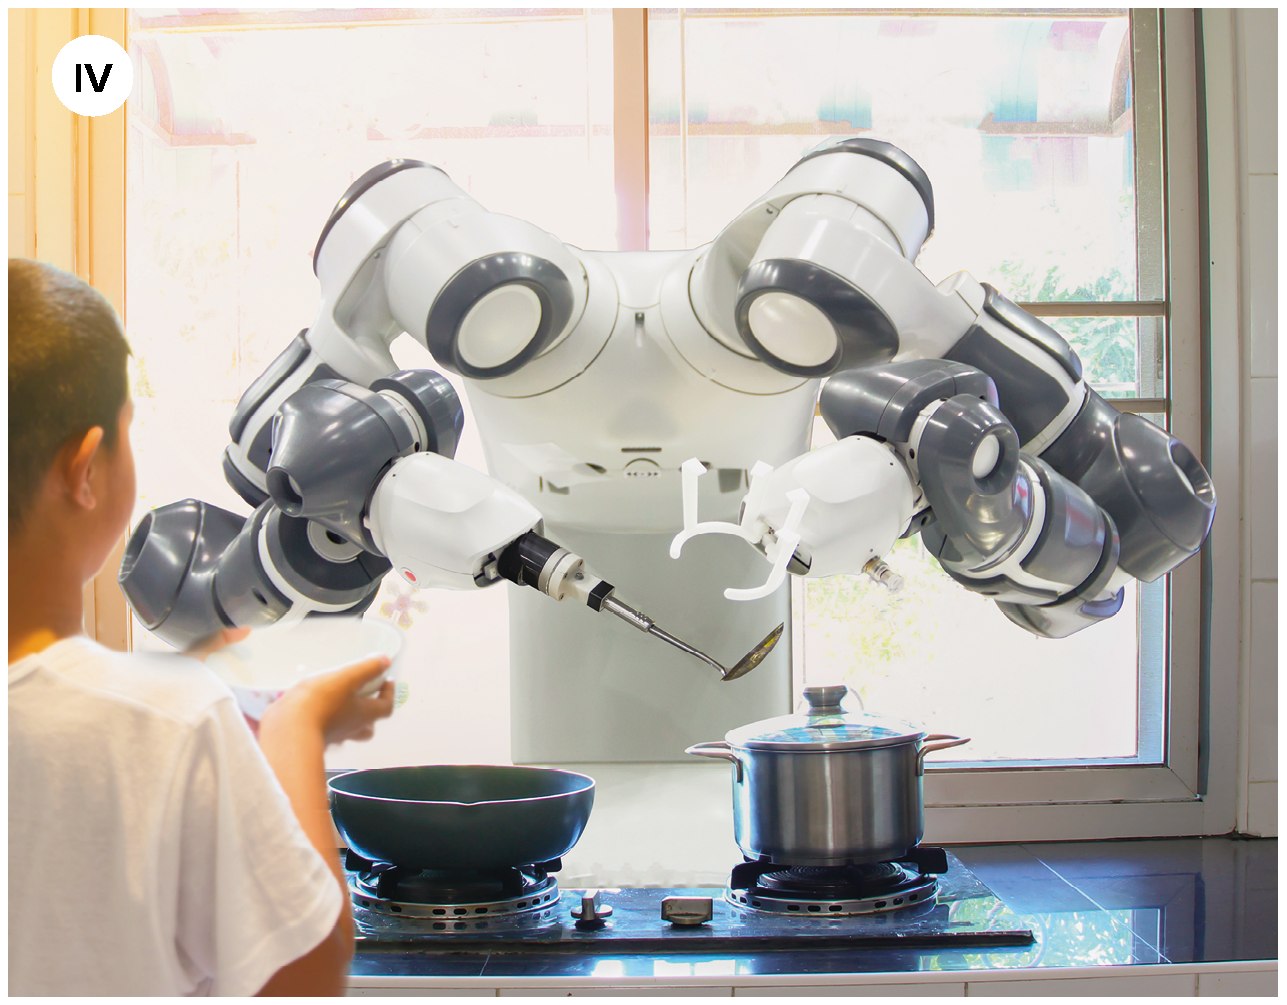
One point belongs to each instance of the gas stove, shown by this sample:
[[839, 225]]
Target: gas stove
[[929, 900], [455, 900]]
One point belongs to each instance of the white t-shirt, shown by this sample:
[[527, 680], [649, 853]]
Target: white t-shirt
[[151, 849]]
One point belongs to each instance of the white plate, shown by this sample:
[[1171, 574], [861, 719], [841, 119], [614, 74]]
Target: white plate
[[263, 666]]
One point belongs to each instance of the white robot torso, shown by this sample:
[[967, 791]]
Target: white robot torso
[[597, 446]]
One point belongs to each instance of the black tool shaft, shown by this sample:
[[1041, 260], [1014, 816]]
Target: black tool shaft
[[639, 620]]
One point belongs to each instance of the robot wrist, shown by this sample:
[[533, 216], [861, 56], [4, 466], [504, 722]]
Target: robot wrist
[[536, 561], [333, 441], [445, 524]]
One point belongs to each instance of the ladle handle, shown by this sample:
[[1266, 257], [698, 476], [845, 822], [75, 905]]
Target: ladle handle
[[719, 750]]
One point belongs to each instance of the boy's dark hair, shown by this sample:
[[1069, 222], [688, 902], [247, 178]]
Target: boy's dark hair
[[67, 372]]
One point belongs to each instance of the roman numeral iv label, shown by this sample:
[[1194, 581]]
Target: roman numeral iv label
[[92, 75]]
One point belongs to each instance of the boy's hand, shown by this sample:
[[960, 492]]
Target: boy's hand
[[330, 703]]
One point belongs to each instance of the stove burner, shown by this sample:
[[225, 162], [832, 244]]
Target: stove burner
[[835, 890], [460, 899], [838, 881]]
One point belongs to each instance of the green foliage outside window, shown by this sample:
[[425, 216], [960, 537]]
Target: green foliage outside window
[[1107, 347]]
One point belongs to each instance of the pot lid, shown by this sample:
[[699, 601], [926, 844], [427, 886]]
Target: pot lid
[[825, 725]]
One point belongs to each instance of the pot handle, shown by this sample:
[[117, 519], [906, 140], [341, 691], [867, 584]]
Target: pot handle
[[937, 741], [719, 750]]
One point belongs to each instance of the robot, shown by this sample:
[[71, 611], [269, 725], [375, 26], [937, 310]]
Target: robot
[[607, 384]]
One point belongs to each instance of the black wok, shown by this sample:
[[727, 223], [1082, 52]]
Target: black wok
[[461, 816]]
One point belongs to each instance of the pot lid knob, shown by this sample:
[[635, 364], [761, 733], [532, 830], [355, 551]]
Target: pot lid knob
[[825, 699]]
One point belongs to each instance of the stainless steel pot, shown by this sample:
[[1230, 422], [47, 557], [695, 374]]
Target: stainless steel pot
[[827, 787]]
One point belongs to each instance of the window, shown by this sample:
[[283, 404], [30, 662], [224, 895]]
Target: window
[[247, 129], [1054, 157], [1041, 134]]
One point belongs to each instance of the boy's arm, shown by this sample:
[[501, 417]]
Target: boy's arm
[[293, 736], [322, 972]]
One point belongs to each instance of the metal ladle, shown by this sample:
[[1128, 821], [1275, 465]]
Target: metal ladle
[[645, 624]]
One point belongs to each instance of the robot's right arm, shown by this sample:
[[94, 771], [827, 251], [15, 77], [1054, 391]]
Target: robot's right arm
[[361, 481], [191, 568], [407, 250]]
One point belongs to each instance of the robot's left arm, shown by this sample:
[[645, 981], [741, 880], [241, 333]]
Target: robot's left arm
[[1025, 483], [361, 481]]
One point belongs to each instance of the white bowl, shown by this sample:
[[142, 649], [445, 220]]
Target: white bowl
[[263, 666]]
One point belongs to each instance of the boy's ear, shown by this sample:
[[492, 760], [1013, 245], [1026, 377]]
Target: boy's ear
[[78, 467]]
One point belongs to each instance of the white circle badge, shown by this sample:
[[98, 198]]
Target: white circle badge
[[92, 75]]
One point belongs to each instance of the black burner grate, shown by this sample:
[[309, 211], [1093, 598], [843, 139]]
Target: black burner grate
[[865, 888], [447, 886], [452, 893], [849, 882], [638, 924]]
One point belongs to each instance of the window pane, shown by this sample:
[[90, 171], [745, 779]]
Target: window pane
[[1024, 125], [1120, 357], [936, 654], [243, 136]]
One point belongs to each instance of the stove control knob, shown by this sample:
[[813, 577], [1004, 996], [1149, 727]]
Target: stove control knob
[[593, 912], [687, 910]]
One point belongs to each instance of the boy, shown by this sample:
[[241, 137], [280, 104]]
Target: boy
[[151, 848]]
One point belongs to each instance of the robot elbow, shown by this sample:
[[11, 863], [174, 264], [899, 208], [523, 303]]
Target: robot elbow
[[167, 572], [1159, 495]]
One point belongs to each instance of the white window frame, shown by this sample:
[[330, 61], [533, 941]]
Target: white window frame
[[1194, 791]]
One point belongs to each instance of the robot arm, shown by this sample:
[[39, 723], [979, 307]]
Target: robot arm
[[1034, 491], [923, 448], [191, 568], [361, 481], [407, 250], [1000, 521]]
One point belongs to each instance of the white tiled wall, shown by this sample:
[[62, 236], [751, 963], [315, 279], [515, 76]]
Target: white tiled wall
[[1256, 33]]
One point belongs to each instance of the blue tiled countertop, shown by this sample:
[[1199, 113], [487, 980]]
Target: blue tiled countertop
[[1090, 904]]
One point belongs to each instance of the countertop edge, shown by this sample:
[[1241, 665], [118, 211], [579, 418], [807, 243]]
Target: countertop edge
[[827, 980]]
